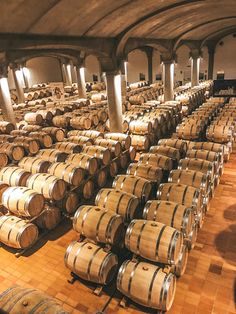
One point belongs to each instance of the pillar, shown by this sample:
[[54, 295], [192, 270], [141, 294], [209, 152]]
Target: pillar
[[16, 72], [6, 105], [149, 53], [81, 82], [25, 73], [114, 100], [211, 58], [195, 56], [168, 79], [123, 76], [68, 74]]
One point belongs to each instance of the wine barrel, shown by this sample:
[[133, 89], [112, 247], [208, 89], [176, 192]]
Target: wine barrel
[[18, 300], [67, 172], [91, 262], [196, 164], [46, 114], [140, 142], [88, 133], [101, 178], [33, 118], [23, 201], [171, 214], [3, 187], [99, 152], [176, 143], [84, 161], [49, 218], [34, 164], [30, 145], [140, 127], [69, 203], [57, 134], [3, 160], [67, 147], [145, 171], [137, 186], [215, 147], [124, 139], [4, 138], [157, 160], [52, 155], [167, 151], [6, 127], [43, 138], [147, 284], [219, 133], [180, 267], [113, 168], [14, 176], [32, 128], [18, 133], [98, 224], [88, 189], [154, 241], [81, 123], [50, 186], [81, 140], [205, 155], [122, 203], [13, 151], [16, 232], [114, 146], [61, 121], [189, 131]]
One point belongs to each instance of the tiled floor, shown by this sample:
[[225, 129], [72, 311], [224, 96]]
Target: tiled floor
[[208, 285]]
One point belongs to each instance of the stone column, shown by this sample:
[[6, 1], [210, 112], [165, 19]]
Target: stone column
[[211, 58], [114, 99], [25, 76], [168, 79], [149, 53], [123, 76], [81, 82], [68, 74], [195, 56], [16, 72]]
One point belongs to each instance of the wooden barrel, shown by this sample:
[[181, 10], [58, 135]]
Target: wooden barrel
[[189, 131], [176, 143], [3, 187], [123, 160], [91, 262], [219, 133], [147, 284], [23, 201], [88, 189], [145, 171], [61, 121], [99, 152], [196, 179], [16, 232], [33, 118], [122, 203], [124, 139], [67, 147], [43, 138], [114, 146], [215, 147], [81, 123], [57, 134], [181, 265], [171, 214], [167, 151], [101, 178], [81, 140], [140, 127], [205, 155], [13, 151], [157, 160], [67, 172], [84, 161], [6, 127], [137, 186], [18, 300], [89, 133], [113, 168], [46, 114], [50, 186], [52, 155], [154, 241], [30, 145], [180, 193], [49, 218], [4, 138], [196, 164], [32, 128], [69, 203], [3, 160], [140, 142], [99, 224], [34, 164], [14, 176]]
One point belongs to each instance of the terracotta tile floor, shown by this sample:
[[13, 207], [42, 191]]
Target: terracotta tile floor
[[208, 285]]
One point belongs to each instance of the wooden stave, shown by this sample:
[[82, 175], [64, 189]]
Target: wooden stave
[[22, 176], [8, 149], [52, 155], [157, 160], [152, 173], [68, 148], [41, 165], [84, 161], [172, 152], [99, 152]]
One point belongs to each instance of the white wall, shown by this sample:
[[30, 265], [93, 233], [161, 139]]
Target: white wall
[[156, 64], [137, 63], [225, 58], [44, 69], [182, 68], [92, 67]]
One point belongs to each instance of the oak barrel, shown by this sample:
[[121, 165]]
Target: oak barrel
[[176, 143], [140, 142], [84, 161], [67, 147], [44, 139], [30, 145], [87, 189], [145, 171], [69, 203], [81, 140], [52, 155], [34, 164], [196, 164], [13, 151], [57, 134], [124, 139], [113, 145], [157, 160], [99, 152], [167, 151], [49, 218], [33, 118], [14, 176]]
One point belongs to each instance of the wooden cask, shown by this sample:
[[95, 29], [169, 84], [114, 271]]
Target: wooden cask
[[93, 134], [114, 146], [181, 265], [3, 187], [46, 114], [4, 138], [189, 131], [14, 176], [80, 123], [57, 134], [154, 241], [81, 140], [98, 224], [44, 139], [33, 118], [205, 155], [176, 143], [124, 204], [147, 284], [67, 172], [3, 160], [16, 232], [157, 160], [61, 121], [137, 186], [32, 128], [145, 171], [67, 147], [124, 139], [69, 203], [140, 142], [113, 168], [91, 262], [140, 127], [52, 155], [171, 214], [34, 164], [88, 189], [100, 152], [23, 201], [101, 178], [84, 161], [18, 300], [219, 133], [167, 151], [50, 186], [49, 218], [30, 145], [196, 164], [6, 127], [13, 151]]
